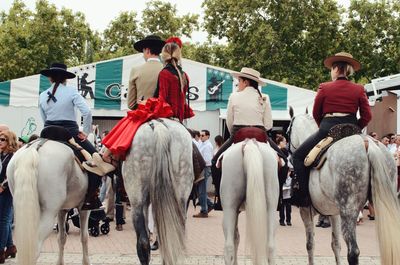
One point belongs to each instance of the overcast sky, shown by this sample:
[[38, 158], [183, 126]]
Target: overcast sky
[[99, 13]]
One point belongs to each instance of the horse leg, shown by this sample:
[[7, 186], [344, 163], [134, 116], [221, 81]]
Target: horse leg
[[143, 242], [62, 236], [348, 223], [84, 220], [335, 221], [271, 215], [306, 214], [45, 227], [231, 233], [237, 240]]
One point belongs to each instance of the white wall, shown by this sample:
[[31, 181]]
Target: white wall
[[21, 120]]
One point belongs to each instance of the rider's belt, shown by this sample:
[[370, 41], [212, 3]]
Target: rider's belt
[[336, 114]]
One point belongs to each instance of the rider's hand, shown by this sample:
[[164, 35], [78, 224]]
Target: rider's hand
[[82, 136], [1, 189]]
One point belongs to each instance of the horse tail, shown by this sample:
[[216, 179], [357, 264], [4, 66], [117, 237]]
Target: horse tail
[[256, 203], [26, 205], [386, 206], [169, 215]]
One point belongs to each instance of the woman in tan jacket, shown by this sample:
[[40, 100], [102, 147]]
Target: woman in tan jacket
[[247, 107]]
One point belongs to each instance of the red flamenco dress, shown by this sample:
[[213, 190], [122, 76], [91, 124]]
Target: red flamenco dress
[[120, 138], [169, 101]]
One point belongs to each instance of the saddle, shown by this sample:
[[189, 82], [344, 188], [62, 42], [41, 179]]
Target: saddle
[[250, 133], [60, 134], [317, 156]]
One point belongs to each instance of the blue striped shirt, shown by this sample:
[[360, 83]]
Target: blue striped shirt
[[68, 100]]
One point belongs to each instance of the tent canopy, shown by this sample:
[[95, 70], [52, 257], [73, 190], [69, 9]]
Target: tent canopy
[[104, 85]]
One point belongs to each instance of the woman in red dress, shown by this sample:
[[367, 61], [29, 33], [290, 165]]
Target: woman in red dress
[[169, 101]]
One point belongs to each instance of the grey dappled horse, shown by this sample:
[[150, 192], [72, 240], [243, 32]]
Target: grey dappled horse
[[45, 183], [250, 176], [340, 189], [159, 170]]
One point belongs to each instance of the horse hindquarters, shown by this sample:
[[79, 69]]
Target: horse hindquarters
[[24, 174], [386, 205]]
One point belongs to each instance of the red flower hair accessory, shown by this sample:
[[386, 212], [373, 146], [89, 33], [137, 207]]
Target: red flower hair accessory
[[175, 40]]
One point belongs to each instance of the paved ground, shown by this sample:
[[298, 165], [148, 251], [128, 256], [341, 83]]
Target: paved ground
[[205, 244]]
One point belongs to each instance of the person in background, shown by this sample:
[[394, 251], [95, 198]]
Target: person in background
[[385, 140], [286, 207], [22, 140], [216, 174], [33, 137], [8, 146], [219, 141], [323, 221], [392, 145], [374, 135], [4, 127], [196, 138], [206, 150]]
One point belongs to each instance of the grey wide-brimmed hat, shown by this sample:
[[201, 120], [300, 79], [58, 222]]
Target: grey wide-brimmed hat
[[151, 41], [342, 57], [59, 69], [249, 73]]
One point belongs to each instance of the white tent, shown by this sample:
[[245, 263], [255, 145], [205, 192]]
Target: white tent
[[210, 88]]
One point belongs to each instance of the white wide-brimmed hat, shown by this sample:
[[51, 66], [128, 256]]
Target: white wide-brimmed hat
[[342, 57], [249, 73]]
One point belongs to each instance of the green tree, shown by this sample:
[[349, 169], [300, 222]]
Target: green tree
[[30, 41], [208, 53], [119, 37], [372, 35], [284, 40], [161, 18], [14, 47]]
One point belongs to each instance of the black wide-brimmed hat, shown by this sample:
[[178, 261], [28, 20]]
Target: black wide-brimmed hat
[[58, 69], [151, 41]]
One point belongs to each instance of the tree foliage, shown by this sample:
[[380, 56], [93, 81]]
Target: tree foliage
[[161, 18], [285, 40], [288, 40], [30, 41]]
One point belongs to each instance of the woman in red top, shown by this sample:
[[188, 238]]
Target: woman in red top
[[169, 101], [173, 82], [337, 102]]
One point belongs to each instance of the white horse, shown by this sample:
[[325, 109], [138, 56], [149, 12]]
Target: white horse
[[250, 176], [45, 183], [159, 170], [340, 189]]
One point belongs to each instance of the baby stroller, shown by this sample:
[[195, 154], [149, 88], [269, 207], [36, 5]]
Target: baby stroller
[[94, 221]]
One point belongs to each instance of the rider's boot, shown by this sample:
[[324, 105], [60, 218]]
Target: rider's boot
[[98, 166], [92, 200]]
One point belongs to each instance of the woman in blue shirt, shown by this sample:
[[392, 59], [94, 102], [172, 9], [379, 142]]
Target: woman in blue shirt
[[58, 106]]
